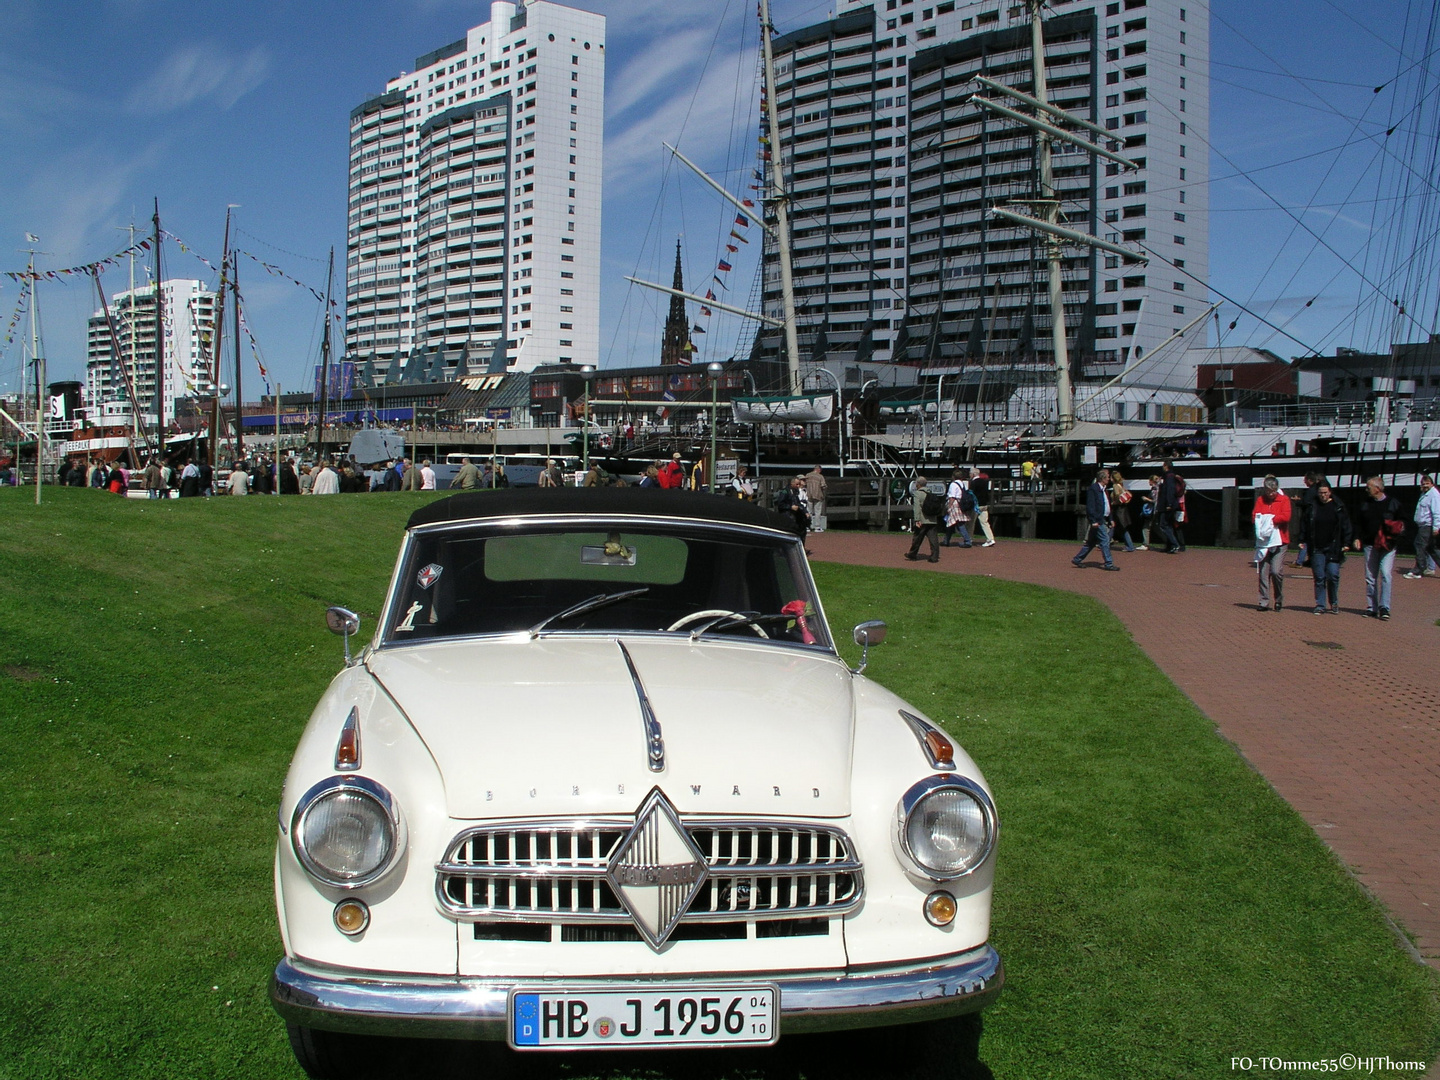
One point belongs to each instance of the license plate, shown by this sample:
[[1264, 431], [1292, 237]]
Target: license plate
[[625, 1018]]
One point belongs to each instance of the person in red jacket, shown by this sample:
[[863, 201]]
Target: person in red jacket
[[1271, 518], [672, 475]]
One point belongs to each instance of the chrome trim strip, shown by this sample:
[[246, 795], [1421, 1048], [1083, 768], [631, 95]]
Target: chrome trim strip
[[654, 738], [434, 1006], [920, 728], [924, 787]]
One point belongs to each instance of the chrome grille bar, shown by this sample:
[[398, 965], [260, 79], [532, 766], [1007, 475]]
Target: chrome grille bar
[[555, 869]]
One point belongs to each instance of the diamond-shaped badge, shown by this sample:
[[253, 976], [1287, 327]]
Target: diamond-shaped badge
[[429, 575], [657, 869]]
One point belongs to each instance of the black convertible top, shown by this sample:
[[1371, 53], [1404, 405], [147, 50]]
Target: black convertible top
[[650, 502]]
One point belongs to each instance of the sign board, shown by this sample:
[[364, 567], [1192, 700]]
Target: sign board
[[1088, 455], [725, 471]]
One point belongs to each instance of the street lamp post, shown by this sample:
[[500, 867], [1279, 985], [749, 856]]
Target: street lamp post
[[586, 372], [714, 368], [839, 404]]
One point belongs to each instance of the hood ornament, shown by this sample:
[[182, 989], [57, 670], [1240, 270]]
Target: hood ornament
[[657, 870], [654, 739]]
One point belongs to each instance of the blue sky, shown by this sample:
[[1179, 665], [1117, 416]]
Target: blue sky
[[106, 104]]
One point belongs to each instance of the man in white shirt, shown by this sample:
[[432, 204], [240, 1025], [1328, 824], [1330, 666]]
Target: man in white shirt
[[239, 483], [327, 481], [427, 476], [1427, 518]]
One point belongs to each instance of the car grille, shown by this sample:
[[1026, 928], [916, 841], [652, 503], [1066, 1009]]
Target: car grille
[[543, 872]]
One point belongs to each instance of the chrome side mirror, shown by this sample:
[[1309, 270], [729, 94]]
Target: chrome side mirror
[[868, 634], [342, 621]]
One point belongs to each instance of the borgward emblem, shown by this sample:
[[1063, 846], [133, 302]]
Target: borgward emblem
[[657, 870]]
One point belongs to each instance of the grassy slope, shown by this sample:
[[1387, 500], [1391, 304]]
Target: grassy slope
[[1159, 908]]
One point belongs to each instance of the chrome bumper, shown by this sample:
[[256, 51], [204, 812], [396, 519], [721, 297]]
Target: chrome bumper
[[472, 1008]]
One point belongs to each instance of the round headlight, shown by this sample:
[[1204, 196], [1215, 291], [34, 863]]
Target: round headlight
[[345, 831], [947, 827]]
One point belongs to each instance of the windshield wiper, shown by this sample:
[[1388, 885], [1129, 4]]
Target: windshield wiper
[[736, 618], [599, 600]]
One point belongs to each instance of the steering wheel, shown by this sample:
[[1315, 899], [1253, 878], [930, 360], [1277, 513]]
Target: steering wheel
[[718, 615]]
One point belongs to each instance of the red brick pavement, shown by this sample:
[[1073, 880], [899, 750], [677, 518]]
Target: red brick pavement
[[1352, 740]]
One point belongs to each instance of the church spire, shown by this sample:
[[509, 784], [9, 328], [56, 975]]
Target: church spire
[[676, 347]]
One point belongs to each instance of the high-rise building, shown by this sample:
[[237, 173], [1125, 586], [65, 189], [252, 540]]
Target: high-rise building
[[474, 207], [893, 170], [189, 310]]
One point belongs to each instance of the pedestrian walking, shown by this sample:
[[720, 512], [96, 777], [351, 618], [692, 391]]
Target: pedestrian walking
[[791, 502], [956, 516], [1380, 528], [1427, 518], [1329, 532], [816, 489], [1120, 499], [1097, 512], [1271, 518], [1170, 508], [1301, 530], [239, 482], [980, 490], [927, 507], [468, 478]]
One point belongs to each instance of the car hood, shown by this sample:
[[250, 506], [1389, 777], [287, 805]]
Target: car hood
[[553, 726]]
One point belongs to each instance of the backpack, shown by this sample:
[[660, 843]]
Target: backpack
[[932, 506], [1179, 485], [967, 501]]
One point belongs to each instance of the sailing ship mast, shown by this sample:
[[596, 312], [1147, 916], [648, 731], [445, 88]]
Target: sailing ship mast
[[217, 333], [325, 358], [1047, 205], [779, 200], [239, 395], [159, 397]]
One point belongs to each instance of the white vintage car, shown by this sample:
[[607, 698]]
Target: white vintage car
[[600, 780]]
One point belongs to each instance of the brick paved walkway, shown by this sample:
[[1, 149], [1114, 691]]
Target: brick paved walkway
[[1354, 745]]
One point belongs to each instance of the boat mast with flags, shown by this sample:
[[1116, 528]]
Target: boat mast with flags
[[795, 406]]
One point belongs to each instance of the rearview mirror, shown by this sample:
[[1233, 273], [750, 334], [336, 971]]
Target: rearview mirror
[[342, 621], [868, 634]]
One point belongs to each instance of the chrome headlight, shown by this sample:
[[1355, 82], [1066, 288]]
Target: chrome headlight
[[346, 831], [947, 827]]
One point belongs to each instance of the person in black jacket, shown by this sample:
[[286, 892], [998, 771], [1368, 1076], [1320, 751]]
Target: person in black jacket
[[1301, 532], [1329, 533], [1380, 528], [1169, 508]]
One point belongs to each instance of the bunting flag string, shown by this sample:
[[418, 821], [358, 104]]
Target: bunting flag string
[[87, 269], [21, 306], [254, 347], [271, 268]]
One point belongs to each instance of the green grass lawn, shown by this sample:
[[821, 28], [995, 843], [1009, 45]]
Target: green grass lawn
[[1159, 908]]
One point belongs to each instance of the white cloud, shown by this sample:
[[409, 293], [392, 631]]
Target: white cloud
[[198, 72]]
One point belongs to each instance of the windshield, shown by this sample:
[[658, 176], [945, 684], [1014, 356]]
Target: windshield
[[559, 578]]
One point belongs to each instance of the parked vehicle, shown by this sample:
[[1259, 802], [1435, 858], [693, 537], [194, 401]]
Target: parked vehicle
[[601, 779]]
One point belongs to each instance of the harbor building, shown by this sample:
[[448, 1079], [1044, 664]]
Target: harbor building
[[893, 170], [189, 316], [474, 201]]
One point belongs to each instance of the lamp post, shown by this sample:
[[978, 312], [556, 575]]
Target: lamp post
[[839, 404], [586, 372], [714, 368]]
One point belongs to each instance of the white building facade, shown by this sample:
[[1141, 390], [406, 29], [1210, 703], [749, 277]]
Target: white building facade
[[474, 203], [189, 318], [893, 171]]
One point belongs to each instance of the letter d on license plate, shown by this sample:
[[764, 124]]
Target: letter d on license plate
[[587, 1018]]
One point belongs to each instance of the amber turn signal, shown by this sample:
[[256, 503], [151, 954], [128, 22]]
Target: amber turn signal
[[940, 908], [351, 917], [941, 749]]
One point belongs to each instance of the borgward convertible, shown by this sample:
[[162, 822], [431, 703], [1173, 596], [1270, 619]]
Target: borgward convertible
[[601, 781]]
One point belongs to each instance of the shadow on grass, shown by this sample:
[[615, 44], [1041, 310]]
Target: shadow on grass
[[917, 1052]]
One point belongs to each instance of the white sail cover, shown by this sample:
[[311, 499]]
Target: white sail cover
[[799, 409]]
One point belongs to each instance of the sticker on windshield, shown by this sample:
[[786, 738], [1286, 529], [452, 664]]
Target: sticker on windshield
[[408, 623], [429, 575]]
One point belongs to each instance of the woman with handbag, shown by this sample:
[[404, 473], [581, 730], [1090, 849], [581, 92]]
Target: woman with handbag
[[1381, 526], [1120, 499]]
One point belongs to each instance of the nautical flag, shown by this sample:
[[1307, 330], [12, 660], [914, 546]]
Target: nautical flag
[[747, 202], [731, 248], [742, 221], [706, 311], [709, 294], [737, 236], [668, 396], [720, 283], [697, 329], [31, 238], [725, 266]]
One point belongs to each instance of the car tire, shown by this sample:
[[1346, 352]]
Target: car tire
[[324, 1055]]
